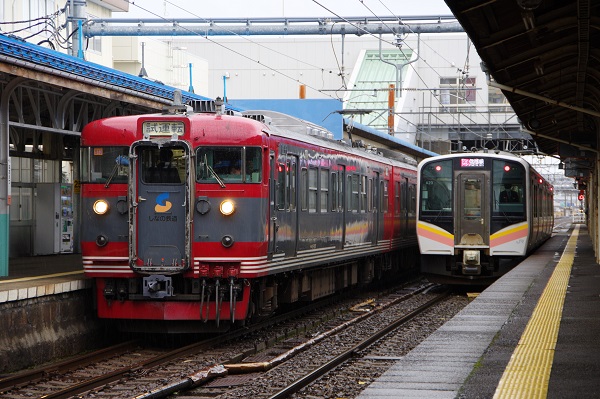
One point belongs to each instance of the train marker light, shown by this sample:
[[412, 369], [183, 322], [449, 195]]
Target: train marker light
[[506, 168], [438, 168], [227, 207], [580, 197], [100, 207]]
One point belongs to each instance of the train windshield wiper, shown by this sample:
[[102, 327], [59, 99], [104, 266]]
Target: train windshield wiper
[[120, 161], [215, 175]]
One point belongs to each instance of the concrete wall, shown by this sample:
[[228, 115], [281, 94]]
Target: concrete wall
[[39, 329]]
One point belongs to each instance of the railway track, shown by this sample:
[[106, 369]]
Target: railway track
[[279, 373], [240, 356]]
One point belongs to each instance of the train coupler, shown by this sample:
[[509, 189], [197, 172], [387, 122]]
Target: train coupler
[[471, 264], [157, 286]]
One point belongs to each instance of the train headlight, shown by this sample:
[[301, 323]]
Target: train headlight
[[227, 207], [100, 207]]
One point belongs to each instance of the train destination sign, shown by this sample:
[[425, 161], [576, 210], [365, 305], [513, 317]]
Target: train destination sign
[[155, 128], [471, 163]]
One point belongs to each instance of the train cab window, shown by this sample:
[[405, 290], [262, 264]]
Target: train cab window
[[436, 188], [229, 164], [104, 164], [508, 186], [162, 165]]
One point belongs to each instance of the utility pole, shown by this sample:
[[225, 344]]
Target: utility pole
[[77, 15]]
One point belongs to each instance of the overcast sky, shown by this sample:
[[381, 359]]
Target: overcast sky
[[282, 8]]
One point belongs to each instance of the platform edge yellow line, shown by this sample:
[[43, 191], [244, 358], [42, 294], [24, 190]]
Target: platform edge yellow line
[[528, 372]]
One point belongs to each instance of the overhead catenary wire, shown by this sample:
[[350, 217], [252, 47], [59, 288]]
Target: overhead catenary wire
[[462, 81], [235, 52]]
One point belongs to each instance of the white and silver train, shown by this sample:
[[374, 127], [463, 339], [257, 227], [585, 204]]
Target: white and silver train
[[478, 214]]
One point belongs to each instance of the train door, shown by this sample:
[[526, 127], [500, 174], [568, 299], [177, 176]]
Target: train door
[[286, 235], [382, 205], [471, 209], [292, 164], [159, 216], [404, 201], [343, 200], [376, 208], [273, 222]]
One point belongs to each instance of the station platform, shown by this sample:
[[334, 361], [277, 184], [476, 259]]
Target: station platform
[[32, 277], [534, 333]]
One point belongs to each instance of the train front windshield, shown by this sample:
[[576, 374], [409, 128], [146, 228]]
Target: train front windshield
[[229, 164], [106, 164], [508, 184], [436, 188]]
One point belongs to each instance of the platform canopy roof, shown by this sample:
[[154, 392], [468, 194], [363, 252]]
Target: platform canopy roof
[[545, 55]]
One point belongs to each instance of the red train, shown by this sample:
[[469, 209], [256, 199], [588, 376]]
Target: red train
[[195, 217]]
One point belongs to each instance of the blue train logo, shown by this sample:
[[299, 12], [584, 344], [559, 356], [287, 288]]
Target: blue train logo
[[162, 205]]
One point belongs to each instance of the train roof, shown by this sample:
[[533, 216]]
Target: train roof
[[286, 126], [485, 154], [269, 122]]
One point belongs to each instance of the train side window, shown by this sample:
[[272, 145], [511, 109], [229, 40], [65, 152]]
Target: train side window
[[291, 184], [281, 177], [370, 195], [324, 192], [355, 188], [253, 165], [312, 189], [363, 194], [348, 194], [399, 199], [334, 192], [412, 199], [384, 196], [304, 189]]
